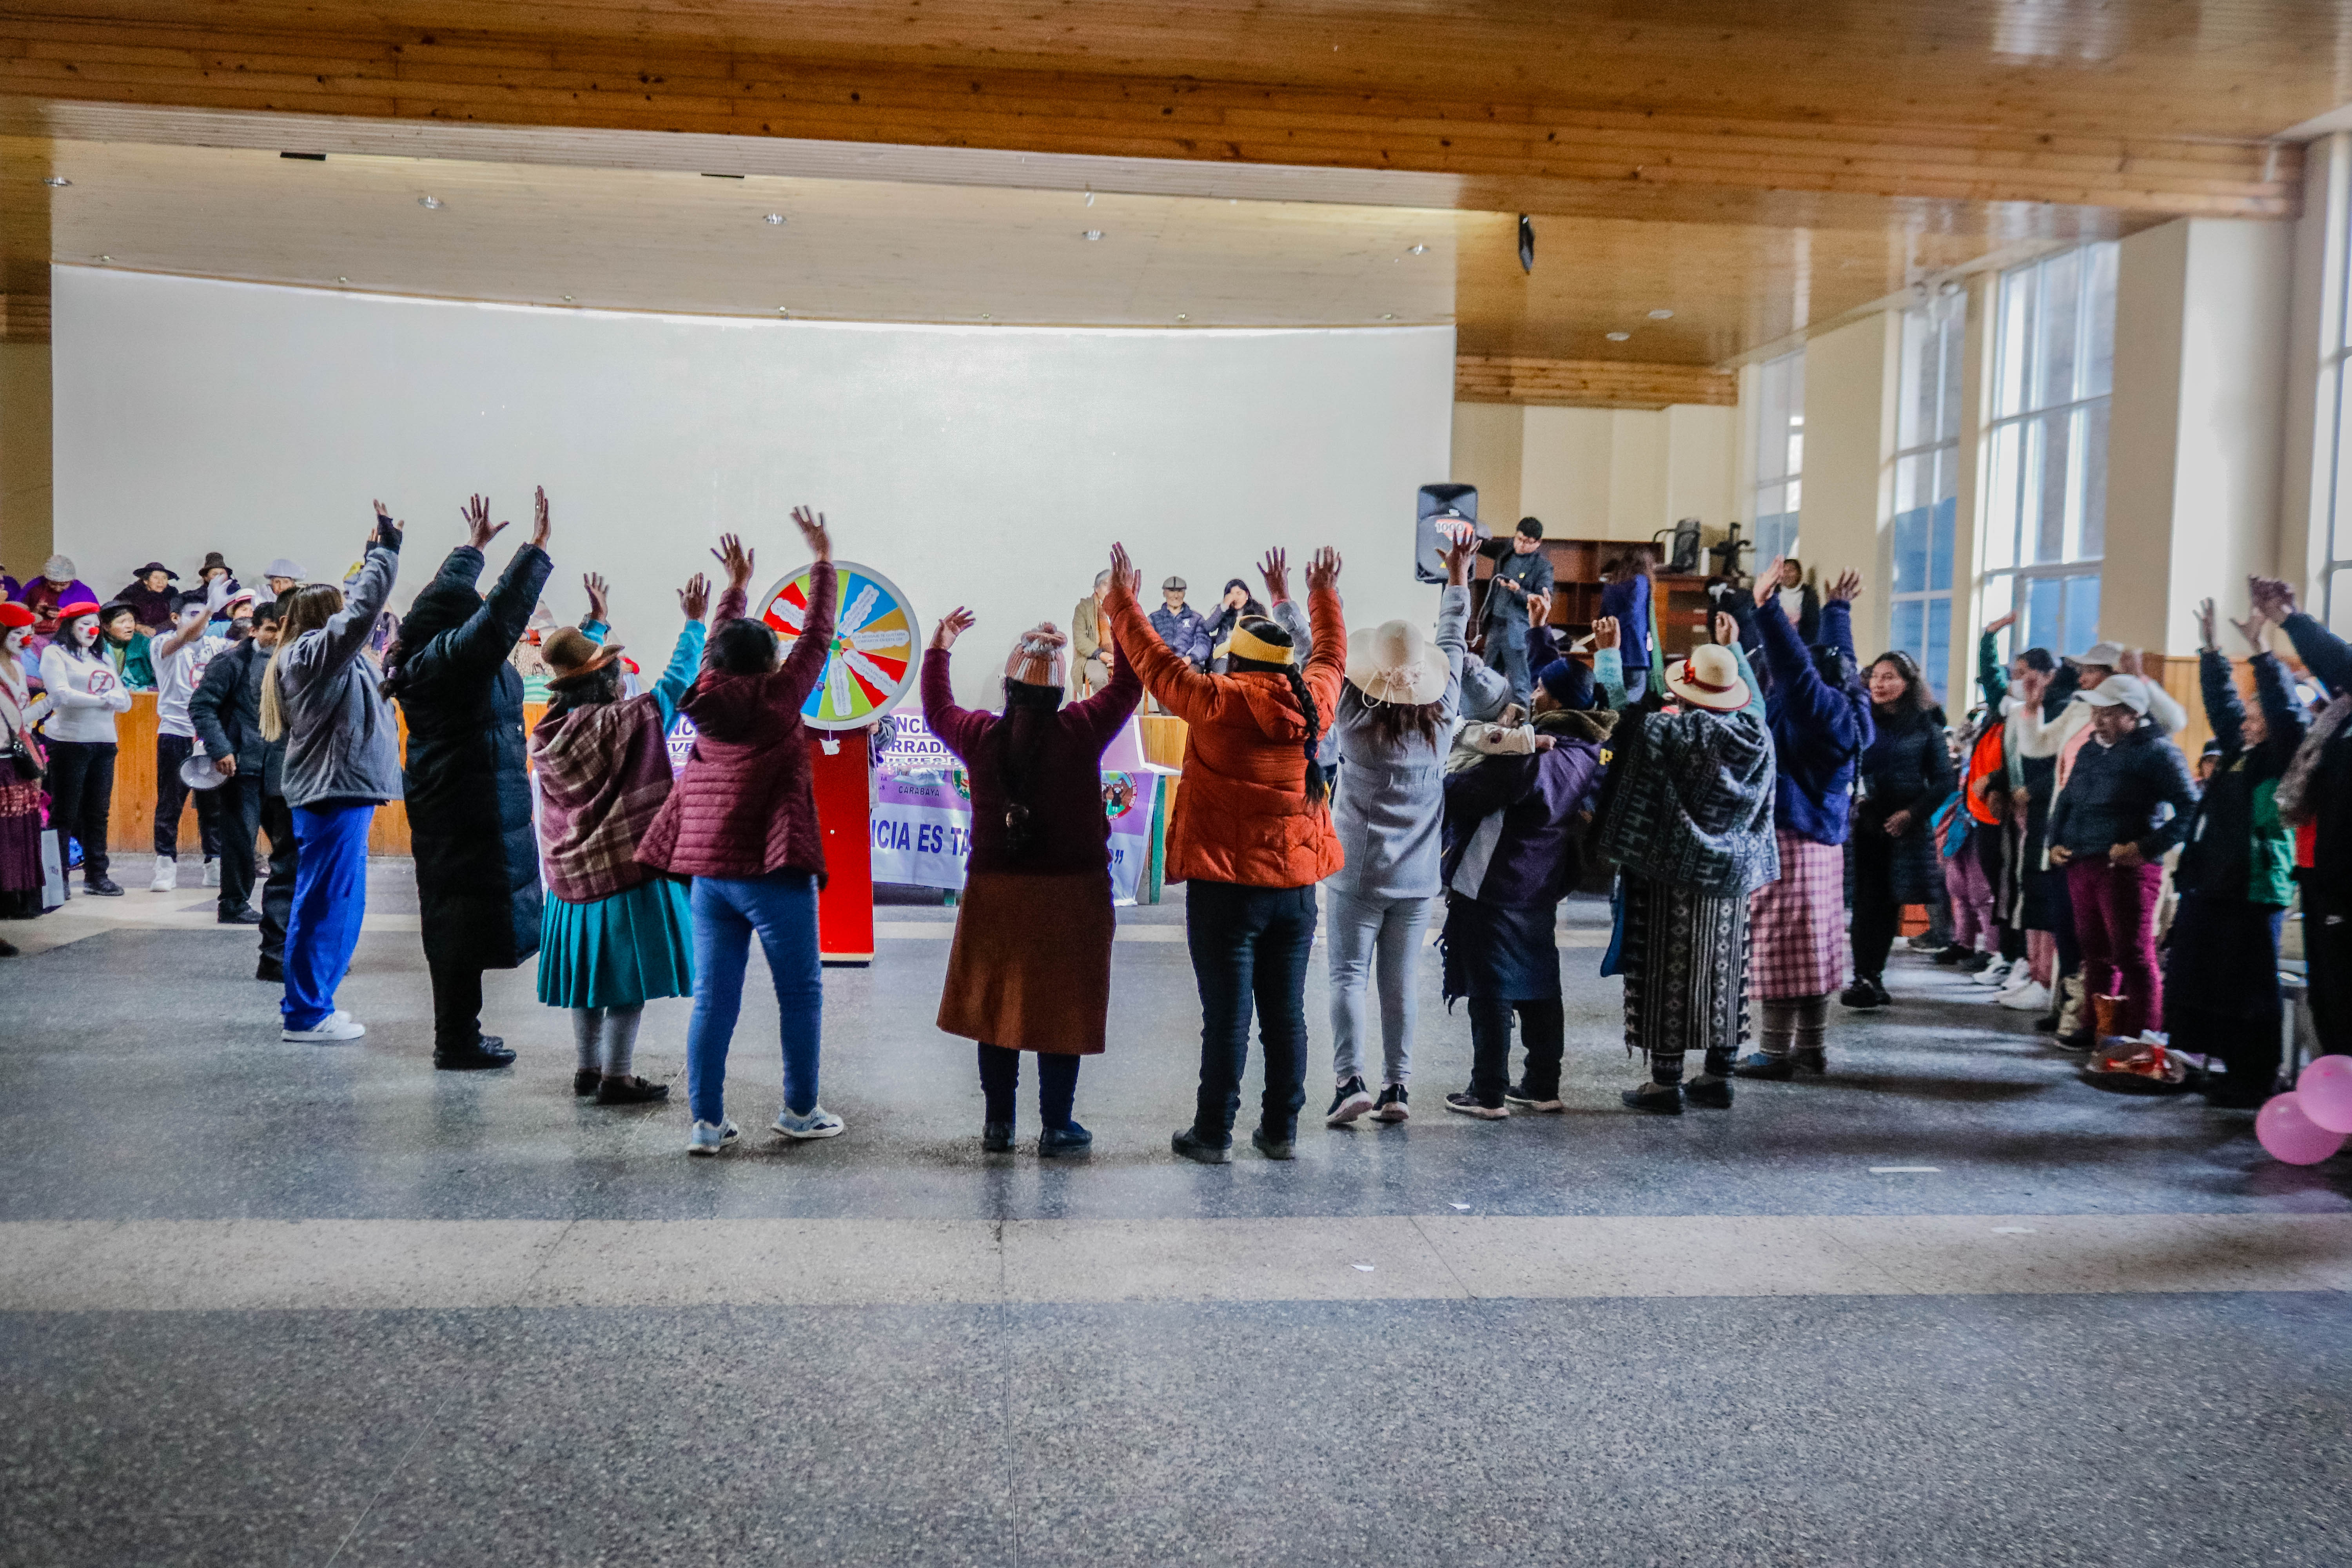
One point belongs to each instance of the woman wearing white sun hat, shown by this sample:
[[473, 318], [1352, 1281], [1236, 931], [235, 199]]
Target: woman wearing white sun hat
[[1394, 725]]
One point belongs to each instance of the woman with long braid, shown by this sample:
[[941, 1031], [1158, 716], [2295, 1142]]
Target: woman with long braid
[[1253, 835]]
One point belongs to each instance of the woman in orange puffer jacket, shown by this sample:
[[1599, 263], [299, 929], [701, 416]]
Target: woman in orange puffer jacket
[[1252, 834]]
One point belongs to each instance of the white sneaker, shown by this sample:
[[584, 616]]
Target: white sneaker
[[167, 875], [818, 1124], [1995, 975], [2030, 997], [211, 872], [332, 1029], [706, 1138]]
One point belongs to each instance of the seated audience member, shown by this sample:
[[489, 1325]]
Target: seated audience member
[[179, 657], [11, 591], [280, 578], [1236, 601], [1092, 653], [1181, 627], [1787, 587], [216, 571], [150, 596], [56, 586], [1515, 824], [613, 932], [125, 645], [2108, 829], [2235, 878], [225, 712], [1030, 970]]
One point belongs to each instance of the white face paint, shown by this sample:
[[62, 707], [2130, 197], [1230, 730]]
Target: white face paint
[[84, 631], [17, 640]]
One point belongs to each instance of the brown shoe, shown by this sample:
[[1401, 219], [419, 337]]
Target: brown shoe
[[630, 1092]]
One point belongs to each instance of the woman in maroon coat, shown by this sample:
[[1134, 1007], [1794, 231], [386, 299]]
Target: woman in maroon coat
[[1030, 966]]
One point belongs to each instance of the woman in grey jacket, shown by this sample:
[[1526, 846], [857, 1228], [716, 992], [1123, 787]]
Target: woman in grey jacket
[[342, 760], [1394, 726]]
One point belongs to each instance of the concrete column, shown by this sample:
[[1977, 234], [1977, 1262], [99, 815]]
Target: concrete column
[[2315, 327], [2194, 432], [1848, 504]]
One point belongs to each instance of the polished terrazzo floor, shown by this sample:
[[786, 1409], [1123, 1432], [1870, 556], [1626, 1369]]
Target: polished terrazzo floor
[[267, 1303]]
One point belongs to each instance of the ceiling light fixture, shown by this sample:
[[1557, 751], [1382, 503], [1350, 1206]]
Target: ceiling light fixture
[[1389, 316], [55, 181], [1619, 337], [1417, 251], [1090, 198], [431, 204], [106, 258], [1662, 315], [342, 279], [782, 311], [774, 217], [567, 298], [1182, 317], [1094, 234]]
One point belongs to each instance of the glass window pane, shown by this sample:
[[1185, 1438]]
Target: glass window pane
[[1940, 549], [1915, 479], [1902, 626], [2055, 333], [2053, 477], [2090, 532], [1936, 648], [2010, 354], [1954, 343], [2082, 612], [1912, 537], [2042, 628], [2099, 305], [1999, 594], [2340, 549], [1915, 417], [2000, 498], [2339, 601]]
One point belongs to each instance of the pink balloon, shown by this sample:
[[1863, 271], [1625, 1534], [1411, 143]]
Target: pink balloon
[[2324, 1089], [2291, 1136]]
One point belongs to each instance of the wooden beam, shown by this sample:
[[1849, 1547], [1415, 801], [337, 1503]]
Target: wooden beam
[[1589, 383], [1518, 154], [24, 319]]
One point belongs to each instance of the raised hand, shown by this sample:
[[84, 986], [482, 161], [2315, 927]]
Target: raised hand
[[2128, 662], [1604, 632], [1998, 624], [1458, 556], [1768, 581], [479, 530], [2254, 628], [812, 532], [1323, 571], [387, 531], [1124, 573], [952, 625], [2273, 600], [2205, 627], [1727, 630], [599, 604], [1276, 569], [737, 559], [538, 525], [694, 599]]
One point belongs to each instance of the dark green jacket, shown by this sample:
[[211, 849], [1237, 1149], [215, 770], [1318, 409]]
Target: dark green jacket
[[2237, 848]]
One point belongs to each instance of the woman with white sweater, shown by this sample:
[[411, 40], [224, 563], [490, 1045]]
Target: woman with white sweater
[[85, 694]]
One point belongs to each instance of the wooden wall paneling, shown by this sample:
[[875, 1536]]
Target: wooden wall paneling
[[1588, 383]]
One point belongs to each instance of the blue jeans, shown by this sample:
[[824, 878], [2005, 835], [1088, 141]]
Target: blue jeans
[[1250, 945], [330, 901], [1507, 652], [781, 908]]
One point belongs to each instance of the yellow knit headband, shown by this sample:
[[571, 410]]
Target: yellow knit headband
[[1246, 644]]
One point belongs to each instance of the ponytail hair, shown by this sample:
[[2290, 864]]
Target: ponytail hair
[[1318, 784]]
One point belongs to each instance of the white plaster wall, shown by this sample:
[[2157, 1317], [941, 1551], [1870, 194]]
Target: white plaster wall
[[1626, 473], [988, 467], [1850, 377], [1488, 439]]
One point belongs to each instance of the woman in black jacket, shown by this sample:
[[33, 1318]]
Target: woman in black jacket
[[1905, 775], [469, 792]]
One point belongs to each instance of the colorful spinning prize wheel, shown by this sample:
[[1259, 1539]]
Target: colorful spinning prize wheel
[[871, 666]]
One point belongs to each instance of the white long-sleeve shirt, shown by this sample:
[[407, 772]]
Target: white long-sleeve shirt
[[85, 694]]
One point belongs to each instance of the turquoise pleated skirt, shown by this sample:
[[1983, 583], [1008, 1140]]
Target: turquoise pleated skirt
[[618, 951]]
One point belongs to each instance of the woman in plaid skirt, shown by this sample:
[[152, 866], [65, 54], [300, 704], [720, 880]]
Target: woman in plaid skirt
[[1820, 720]]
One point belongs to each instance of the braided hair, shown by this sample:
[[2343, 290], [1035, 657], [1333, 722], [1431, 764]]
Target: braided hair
[[1319, 787]]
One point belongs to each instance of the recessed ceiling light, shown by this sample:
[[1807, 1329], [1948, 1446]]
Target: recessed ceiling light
[[567, 298], [1094, 234], [780, 311], [1389, 316], [1662, 315], [55, 181], [984, 316], [429, 202], [106, 258], [1090, 198], [1418, 251], [342, 279], [1182, 317], [774, 217], [1619, 337]]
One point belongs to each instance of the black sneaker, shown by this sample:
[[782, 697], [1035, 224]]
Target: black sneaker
[[1067, 1141], [1193, 1146], [1392, 1106], [487, 1051], [1351, 1102], [1715, 1093], [1977, 964], [585, 1082], [104, 888], [1812, 1059], [270, 969], [630, 1090], [1863, 995], [1466, 1104], [1518, 1094], [1955, 953], [2046, 1025], [1762, 1065], [245, 916], [1272, 1147], [1923, 942], [996, 1137], [1657, 1099]]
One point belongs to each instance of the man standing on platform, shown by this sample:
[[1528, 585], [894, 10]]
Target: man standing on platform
[[227, 713], [1180, 627], [1522, 576]]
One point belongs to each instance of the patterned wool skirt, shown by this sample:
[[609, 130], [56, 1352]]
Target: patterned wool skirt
[[1686, 964], [1030, 966], [1799, 922], [20, 849], [618, 951]]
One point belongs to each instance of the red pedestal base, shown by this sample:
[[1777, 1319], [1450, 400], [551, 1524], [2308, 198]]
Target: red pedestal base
[[844, 915]]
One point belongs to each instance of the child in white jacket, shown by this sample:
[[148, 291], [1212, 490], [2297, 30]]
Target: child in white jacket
[[85, 694]]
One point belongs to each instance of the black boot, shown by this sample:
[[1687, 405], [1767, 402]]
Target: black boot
[[487, 1051]]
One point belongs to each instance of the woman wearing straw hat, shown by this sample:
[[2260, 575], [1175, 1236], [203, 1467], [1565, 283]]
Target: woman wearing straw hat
[[613, 932], [1691, 826], [1030, 970], [1394, 724]]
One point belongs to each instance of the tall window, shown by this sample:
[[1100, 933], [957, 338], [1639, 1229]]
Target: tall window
[[1926, 483], [2335, 588], [2046, 500], [1780, 448]]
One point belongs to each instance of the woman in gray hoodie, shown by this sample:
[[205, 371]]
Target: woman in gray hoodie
[[1394, 726], [342, 760]]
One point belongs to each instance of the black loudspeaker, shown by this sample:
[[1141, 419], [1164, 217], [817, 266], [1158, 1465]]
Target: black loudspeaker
[[1438, 506]]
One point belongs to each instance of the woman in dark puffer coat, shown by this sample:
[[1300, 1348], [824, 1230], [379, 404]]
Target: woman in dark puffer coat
[[468, 790], [1905, 775]]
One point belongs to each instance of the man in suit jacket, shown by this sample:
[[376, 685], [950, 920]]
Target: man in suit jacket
[[1091, 652], [1523, 575], [225, 712]]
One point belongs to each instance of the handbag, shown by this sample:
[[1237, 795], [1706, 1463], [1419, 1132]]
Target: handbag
[[20, 757]]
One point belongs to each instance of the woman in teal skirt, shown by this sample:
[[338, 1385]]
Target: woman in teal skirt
[[614, 934]]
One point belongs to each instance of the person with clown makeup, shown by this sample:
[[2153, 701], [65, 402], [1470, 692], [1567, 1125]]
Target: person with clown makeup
[[85, 694], [20, 798]]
